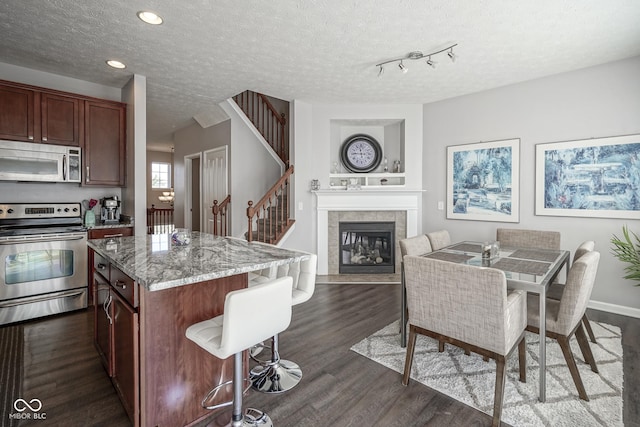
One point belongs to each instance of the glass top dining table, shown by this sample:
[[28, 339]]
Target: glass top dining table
[[529, 269]]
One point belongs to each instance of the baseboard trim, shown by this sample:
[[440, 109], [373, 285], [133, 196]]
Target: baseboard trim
[[615, 309]]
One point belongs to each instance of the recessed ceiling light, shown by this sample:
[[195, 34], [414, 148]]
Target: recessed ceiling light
[[150, 17], [115, 64]]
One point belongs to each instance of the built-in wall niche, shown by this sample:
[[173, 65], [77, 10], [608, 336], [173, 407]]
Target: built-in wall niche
[[390, 135]]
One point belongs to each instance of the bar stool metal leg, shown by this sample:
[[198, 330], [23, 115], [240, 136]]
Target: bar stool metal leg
[[277, 375]]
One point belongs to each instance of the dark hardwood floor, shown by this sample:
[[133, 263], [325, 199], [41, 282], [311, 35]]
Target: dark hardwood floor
[[339, 387]]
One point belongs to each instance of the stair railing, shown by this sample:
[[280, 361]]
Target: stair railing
[[267, 121], [159, 220], [219, 211], [271, 213]]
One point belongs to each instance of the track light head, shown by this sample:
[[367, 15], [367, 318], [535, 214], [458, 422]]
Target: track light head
[[402, 67], [431, 63], [381, 71], [452, 55]]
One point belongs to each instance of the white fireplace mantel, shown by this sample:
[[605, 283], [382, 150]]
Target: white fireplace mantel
[[363, 200]]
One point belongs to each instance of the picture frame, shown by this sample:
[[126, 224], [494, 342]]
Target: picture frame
[[597, 177], [483, 181]]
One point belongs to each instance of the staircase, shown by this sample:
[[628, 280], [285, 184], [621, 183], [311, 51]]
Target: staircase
[[268, 220]]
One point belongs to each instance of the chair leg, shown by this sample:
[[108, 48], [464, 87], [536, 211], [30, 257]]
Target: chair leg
[[587, 326], [586, 349], [276, 376], [250, 417], [499, 392], [440, 346], [573, 368], [522, 359], [409, 359]]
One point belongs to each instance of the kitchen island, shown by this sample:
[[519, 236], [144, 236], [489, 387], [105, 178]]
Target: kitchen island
[[147, 293]]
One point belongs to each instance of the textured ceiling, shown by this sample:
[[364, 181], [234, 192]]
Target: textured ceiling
[[320, 51]]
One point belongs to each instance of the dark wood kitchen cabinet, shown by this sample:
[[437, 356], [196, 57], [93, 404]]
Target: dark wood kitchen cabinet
[[116, 331], [62, 119], [18, 110], [102, 233], [31, 114], [104, 144], [41, 115], [126, 358]]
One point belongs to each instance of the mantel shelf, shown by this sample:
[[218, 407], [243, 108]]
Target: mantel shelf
[[372, 179]]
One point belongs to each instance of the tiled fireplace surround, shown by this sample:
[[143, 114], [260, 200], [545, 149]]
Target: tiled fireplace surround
[[333, 206]]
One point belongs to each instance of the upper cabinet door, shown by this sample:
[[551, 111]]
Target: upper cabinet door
[[62, 120], [17, 114], [104, 144]]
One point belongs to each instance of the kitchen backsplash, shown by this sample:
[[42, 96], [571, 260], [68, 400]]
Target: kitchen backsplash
[[30, 192]]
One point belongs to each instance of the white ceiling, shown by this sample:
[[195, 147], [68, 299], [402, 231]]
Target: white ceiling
[[319, 51]]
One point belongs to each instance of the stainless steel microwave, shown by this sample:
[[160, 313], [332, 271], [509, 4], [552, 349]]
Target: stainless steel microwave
[[27, 161]]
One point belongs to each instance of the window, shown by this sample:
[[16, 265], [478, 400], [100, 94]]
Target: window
[[160, 175]]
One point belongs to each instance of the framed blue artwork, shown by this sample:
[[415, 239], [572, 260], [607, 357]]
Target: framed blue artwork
[[483, 181], [592, 177]]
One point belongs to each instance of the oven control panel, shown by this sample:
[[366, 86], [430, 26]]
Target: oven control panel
[[39, 210]]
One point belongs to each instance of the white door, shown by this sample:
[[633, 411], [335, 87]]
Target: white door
[[214, 184]]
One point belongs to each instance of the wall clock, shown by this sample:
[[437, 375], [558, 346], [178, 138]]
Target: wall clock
[[361, 153]]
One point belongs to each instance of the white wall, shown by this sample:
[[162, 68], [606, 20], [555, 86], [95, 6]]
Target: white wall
[[28, 76], [191, 140], [135, 193], [590, 103], [312, 156], [253, 170]]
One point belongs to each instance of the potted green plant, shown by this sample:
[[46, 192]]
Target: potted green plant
[[628, 251]]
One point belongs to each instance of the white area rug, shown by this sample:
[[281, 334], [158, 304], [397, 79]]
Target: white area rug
[[471, 380]]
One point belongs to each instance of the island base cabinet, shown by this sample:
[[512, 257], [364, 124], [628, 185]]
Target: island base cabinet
[[175, 373], [126, 356]]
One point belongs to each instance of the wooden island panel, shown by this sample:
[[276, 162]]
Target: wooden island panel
[[175, 373]]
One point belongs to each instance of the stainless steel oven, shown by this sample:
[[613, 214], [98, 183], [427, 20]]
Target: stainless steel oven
[[43, 260]]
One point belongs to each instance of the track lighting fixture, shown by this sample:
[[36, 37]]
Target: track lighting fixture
[[418, 55]]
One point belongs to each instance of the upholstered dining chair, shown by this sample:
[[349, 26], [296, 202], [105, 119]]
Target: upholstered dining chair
[[556, 288], [439, 239], [564, 317], [538, 239], [469, 307], [416, 245]]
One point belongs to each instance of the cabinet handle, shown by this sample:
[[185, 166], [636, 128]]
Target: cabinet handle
[[44, 138], [101, 266], [87, 175], [113, 235], [30, 136], [120, 284], [105, 306]]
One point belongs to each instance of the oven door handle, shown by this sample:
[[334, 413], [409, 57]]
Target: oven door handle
[[40, 298], [40, 239]]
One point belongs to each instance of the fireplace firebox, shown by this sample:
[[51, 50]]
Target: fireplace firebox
[[367, 247]]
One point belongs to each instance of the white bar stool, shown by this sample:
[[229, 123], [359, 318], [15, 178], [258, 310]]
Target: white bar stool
[[239, 328], [279, 375]]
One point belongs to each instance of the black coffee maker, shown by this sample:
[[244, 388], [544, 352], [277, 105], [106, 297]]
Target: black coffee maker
[[110, 212]]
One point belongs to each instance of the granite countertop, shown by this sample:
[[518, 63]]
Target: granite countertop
[[155, 263]]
